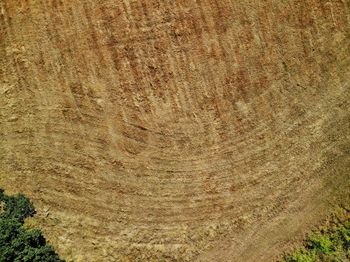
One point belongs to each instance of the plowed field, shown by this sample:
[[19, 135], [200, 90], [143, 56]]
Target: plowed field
[[175, 130]]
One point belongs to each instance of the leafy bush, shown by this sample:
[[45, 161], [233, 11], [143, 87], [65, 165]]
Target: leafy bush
[[18, 244], [320, 243], [332, 244], [17, 207], [302, 256]]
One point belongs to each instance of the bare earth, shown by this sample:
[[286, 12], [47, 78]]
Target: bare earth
[[175, 130]]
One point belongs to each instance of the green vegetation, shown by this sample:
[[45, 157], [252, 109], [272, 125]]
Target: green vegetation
[[329, 244], [17, 243]]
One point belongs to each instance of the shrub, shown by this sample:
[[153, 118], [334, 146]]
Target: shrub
[[302, 256], [17, 207], [333, 244], [321, 244], [18, 244]]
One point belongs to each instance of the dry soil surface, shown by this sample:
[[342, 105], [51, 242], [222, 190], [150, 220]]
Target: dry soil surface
[[175, 130]]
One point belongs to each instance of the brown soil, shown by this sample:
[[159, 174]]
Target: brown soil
[[175, 130]]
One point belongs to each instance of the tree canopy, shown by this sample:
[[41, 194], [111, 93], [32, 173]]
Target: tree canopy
[[18, 244]]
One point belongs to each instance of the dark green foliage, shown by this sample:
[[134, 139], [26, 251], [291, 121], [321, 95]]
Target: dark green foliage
[[9, 230], [17, 207], [332, 244], [39, 254], [18, 244], [2, 195]]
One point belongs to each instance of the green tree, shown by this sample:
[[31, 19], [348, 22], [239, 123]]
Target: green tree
[[17, 207], [330, 244], [18, 244]]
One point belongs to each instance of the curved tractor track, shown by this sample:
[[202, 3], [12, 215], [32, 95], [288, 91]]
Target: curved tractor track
[[175, 130]]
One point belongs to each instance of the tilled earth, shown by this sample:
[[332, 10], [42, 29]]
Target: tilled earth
[[175, 130]]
